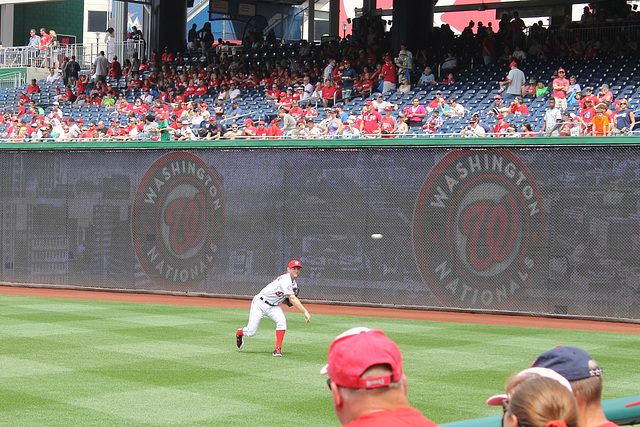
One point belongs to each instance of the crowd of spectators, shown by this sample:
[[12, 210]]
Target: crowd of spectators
[[307, 91]]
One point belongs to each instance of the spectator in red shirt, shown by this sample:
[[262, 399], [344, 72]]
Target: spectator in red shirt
[[517, 107], [589, 96], [328, 93], [167, 57], [371, 120], [604, 94], [261, 130], [388, 73], [115, 69], [274, 131], [560, 87], [527, 130], [33, 87], [449, 78], [500, 128]]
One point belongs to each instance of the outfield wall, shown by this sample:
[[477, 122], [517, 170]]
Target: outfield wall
[[551, 230]]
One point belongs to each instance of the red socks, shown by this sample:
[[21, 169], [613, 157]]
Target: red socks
[[279, 337]]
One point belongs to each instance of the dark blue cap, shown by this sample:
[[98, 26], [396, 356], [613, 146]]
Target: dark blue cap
[[573, 363]]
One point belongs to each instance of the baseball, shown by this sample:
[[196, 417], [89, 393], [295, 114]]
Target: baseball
[[376, 236]]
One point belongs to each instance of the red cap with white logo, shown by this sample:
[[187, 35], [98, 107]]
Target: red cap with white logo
[[294, 263], [356, 350]]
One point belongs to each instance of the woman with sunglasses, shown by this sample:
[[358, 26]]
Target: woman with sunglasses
[[624, 118]]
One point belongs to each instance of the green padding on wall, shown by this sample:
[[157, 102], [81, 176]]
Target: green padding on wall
[[615, 410], [306, 143]]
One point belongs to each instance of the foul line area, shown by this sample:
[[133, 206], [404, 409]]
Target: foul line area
[[338, 310]]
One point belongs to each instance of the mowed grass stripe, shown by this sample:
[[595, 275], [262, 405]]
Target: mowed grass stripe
[[68, 362]]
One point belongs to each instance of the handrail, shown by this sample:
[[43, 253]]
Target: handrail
[[85, 53], [13, 79]]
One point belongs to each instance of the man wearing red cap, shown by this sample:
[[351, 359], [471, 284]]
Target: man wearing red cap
[[371, 120], [267, 303], [367, 382], [514, 83], [560, 87], [388, 74], [501, 126]]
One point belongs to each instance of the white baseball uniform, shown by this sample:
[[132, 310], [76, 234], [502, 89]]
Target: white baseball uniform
[[267, 303]]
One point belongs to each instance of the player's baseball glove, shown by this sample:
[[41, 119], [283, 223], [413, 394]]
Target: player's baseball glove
[[296, 291]]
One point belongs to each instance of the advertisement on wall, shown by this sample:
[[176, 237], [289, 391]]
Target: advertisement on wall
[[538, 231]]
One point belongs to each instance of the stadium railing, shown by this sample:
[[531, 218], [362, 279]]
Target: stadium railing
[[25, 56]]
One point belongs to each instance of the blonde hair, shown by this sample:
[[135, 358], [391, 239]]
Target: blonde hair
[[539, 402]]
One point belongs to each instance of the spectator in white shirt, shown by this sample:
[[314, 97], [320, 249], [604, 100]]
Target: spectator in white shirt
[[53, 76]]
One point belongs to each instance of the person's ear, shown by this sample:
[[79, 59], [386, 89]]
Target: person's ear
[[338, 400], [510, 420], [404, 383]]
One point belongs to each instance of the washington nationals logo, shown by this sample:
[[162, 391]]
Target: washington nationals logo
[[177, 220], [478, 228]]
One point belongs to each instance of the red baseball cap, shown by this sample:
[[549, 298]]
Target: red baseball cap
[[294, 263], [513, 64], [356, 350], [368, 103], [561, 70], [388, 108], [499, 116]]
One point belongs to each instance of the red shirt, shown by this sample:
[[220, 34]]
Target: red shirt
[[560, 82], [500, 128], [388, 72], [113, 131], [328, 91], [262, 132], [392, 417], [44, 41], [387, 123], [372, 121], [587, 114], [274, 130], [522, 109], [296, 111], [273, 94]]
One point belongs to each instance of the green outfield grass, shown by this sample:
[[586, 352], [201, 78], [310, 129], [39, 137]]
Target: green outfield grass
[[81, 363]]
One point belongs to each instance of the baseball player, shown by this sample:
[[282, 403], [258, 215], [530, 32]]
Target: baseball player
[[267, 303]]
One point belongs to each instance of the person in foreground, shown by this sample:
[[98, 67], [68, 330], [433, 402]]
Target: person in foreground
[[367, 382], [537, 401], [585, 376], [267, 303]]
